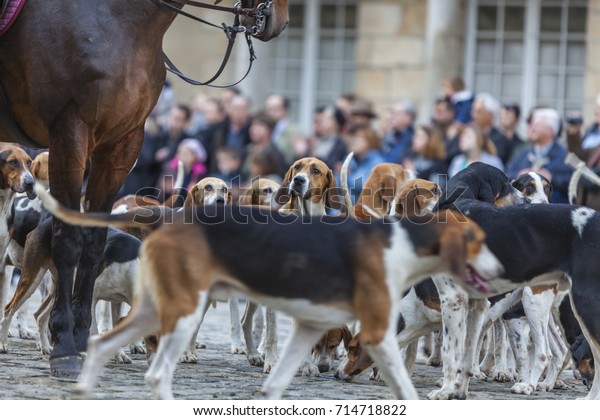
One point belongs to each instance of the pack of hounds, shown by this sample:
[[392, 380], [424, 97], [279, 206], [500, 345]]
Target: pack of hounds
[[500, 283]]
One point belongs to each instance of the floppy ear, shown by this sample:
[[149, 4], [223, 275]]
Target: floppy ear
[[229, 199], [385, 194], [282, 196], [195, 197], [346, 336], [485, 193], [333, 198], [453, 250]]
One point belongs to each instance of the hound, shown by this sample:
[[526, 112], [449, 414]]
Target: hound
[[262, 194], [308, 188], [379, 195], [564, 237], [15, 177], [358, 273], [25, 214]]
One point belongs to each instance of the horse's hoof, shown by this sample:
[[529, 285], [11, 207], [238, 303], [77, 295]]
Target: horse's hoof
[[66, 368]]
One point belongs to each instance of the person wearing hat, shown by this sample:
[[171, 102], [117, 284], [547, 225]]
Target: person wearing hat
[[397, 142], [361, 113]]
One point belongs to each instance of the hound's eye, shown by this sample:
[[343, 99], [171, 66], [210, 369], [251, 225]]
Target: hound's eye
[[14, 163], [268, 190], [224, 190], [316, 171], [208, 188], [297, 167]]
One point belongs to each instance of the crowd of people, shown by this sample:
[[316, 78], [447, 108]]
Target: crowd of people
[[231, 138]]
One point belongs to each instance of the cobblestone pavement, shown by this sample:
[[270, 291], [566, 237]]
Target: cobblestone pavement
[[24, 374]]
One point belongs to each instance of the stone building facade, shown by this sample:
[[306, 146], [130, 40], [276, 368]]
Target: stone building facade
[[528, 51]]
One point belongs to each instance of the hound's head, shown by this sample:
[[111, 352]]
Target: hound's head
[[39, 168], [584, 360], [208, 191], [15, 166], [260, 193], [309, 179], [481, 182], [416, 197], [381, 188], [276, 18], [324, 352], [462, 246], [537, 188], [356, 361]]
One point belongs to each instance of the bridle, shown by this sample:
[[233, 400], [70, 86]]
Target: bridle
[[260, 13]]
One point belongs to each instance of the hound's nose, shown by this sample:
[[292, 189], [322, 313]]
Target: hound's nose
[[220, 200], [29, 182], [300, 180]]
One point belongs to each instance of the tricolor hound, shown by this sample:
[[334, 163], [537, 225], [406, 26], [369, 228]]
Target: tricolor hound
[[358, 271], [564, 240]]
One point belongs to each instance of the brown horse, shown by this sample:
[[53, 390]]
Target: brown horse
[[80, 77]]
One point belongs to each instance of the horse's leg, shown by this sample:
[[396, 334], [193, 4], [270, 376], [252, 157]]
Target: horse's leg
[[109, 168], [66, 168]]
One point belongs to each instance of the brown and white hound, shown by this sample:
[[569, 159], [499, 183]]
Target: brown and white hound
[[359, 274], [15, 177], [308, 188], [261, 193], [379, 195]]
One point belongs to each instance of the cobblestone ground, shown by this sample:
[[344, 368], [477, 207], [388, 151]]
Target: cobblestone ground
[[24, 374]]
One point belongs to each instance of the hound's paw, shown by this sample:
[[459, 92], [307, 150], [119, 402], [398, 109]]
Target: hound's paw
[[46, 350], [438, 395], [121, 358], [271, 359], [27, 334], [200, 345], [137, 348], [188, 357], [375, 376], [3, 348], [522, 388], [559, 385], [500, 376], [439, 383], [479, 375], [255, 359], [434, 361], [310, 370], [238, 348]]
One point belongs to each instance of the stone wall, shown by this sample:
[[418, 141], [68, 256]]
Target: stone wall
[[592, 71]]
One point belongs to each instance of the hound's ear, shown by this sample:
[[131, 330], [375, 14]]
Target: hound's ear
[[453, 250], [229, 199], [486, 194], [385, 194], [333, 197], [282, 196], [39, 167], [195, 197], [346, 337]]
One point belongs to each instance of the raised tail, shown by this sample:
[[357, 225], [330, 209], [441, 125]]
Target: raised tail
[[344, 184], [144, 217]]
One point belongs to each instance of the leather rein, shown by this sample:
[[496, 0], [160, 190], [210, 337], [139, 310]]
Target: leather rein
[[260, 13]]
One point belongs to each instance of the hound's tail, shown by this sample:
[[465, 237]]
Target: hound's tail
[[144, 217], [344, 182]]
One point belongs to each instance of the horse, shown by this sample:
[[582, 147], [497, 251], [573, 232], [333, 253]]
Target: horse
[[80, 78]]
